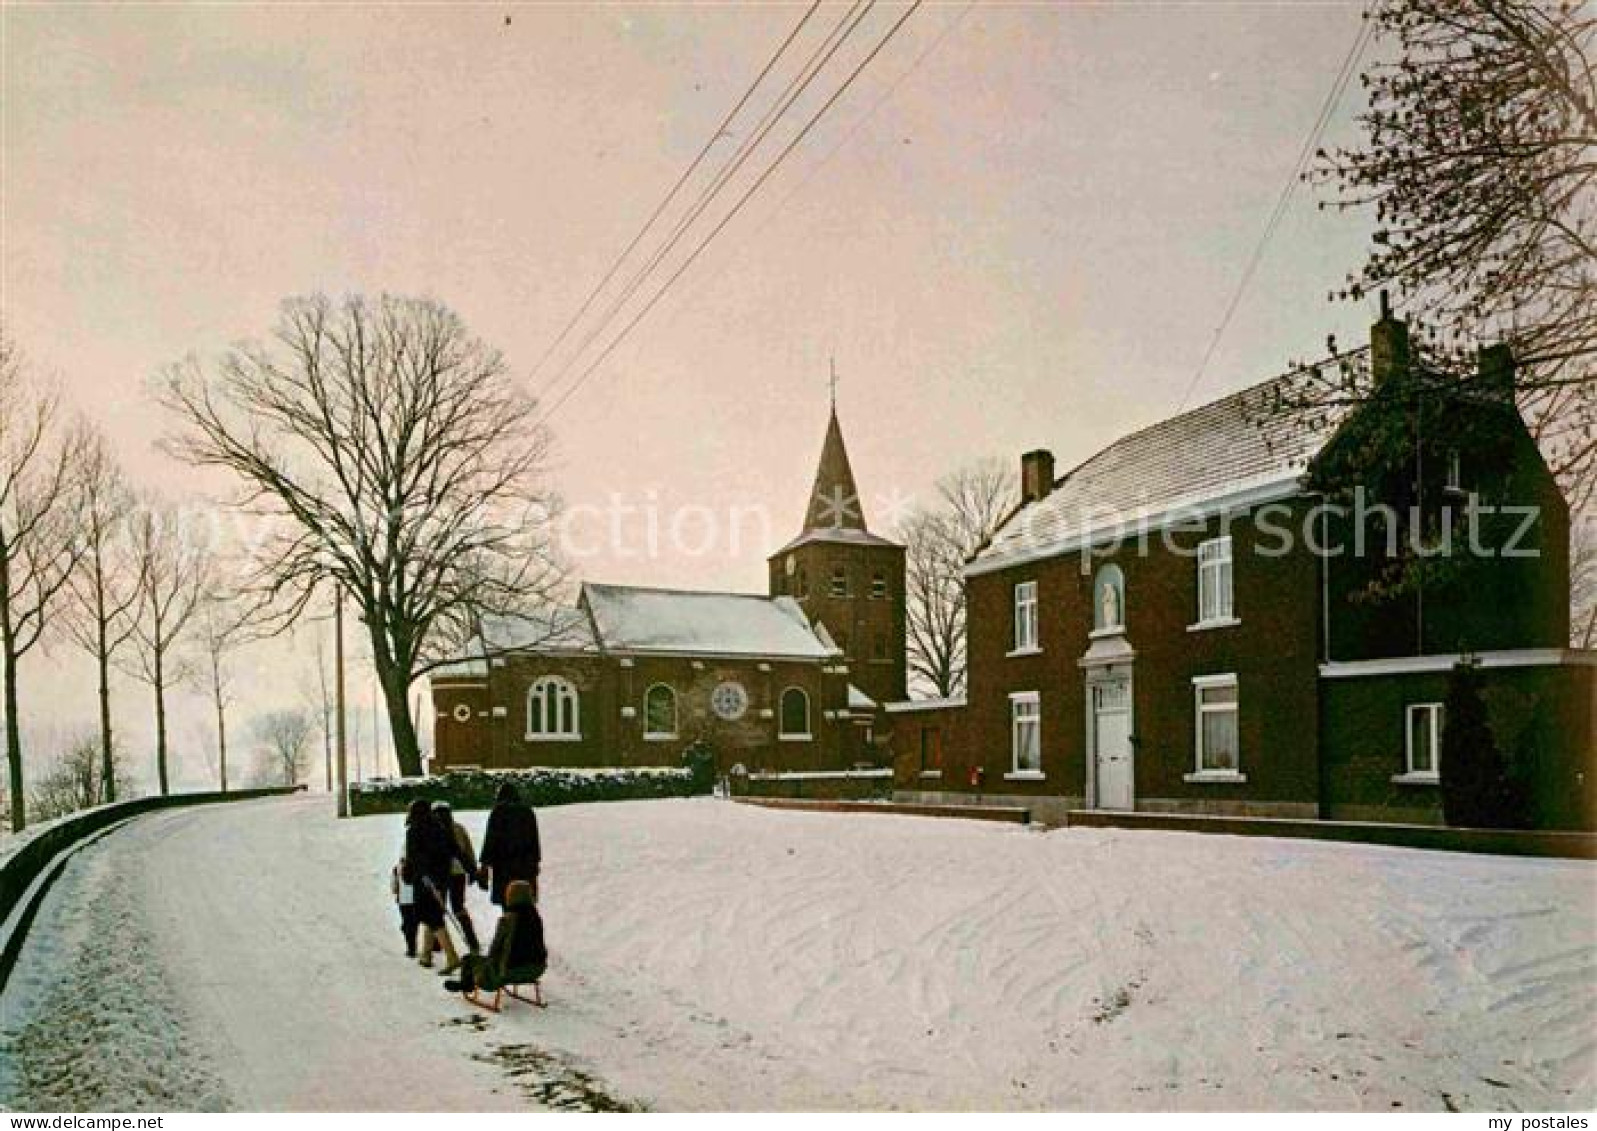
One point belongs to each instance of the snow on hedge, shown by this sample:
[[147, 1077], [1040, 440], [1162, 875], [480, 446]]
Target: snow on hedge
[[477, 789]]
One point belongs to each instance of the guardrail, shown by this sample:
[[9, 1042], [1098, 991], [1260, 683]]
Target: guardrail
[[43, 853]]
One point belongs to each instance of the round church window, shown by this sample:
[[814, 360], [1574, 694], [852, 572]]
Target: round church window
[[462, 713], [729, 701]]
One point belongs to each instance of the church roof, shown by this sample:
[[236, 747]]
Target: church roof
[[834, 499], [1239, 448], [551, 629], [632, 619]]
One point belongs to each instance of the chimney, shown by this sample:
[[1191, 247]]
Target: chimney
[[1389, 352], [1036, 475], [1494, 369]]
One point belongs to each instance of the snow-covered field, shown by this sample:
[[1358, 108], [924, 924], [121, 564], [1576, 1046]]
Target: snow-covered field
[[710, 955]]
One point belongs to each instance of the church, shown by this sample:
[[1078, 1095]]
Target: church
[[791, 679]]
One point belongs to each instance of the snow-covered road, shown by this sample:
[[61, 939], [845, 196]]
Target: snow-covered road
[[708, 955]]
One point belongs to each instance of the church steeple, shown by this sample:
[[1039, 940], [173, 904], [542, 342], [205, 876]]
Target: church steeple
[[834, 500]]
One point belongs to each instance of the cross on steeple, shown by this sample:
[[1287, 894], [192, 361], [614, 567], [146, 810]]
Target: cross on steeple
[[833, 362]]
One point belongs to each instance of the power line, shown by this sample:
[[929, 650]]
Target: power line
[[1310, 143], [807, 73], [736, 208], [715, 136]]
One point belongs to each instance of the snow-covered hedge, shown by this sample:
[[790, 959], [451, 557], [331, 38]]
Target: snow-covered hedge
[[476, 789]]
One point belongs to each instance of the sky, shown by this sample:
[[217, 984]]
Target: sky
[[1019, 228]]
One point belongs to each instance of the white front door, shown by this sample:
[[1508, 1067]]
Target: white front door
[[1111, 743]]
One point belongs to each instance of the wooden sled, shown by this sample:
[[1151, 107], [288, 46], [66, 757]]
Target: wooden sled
[[511, 988]]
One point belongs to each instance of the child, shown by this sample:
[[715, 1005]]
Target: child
[[517, 954], [405, 896]]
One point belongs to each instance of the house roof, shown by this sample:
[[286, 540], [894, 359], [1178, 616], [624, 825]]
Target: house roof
[[1237, 448], [630, 619]]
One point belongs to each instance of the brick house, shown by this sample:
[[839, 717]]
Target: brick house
[[1156, 630], [632, 676]]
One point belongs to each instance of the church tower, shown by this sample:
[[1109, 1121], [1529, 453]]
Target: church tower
[[847, 579]]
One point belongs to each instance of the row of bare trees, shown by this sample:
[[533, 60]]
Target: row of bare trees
[[120, 574], [385, 454]]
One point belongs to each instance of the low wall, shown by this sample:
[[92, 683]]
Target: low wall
[[1502, 842], [476, 789], [819, 785], [1043, 810], [1009, 814]]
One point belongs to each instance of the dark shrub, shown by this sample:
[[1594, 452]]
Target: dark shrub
[[1479, 787]]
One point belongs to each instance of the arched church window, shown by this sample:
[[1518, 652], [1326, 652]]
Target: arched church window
[[795, 713], [553, 713], [660, 712]]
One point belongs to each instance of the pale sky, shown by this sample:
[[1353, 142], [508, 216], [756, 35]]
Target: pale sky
[[1027, 244]]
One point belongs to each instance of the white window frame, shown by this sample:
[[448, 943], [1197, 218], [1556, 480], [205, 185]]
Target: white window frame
[[782, 733], [562, 688], [839, 583], [879, 586], [1410, 774], [1217, 577], [1033, 716], [660, 735], [1027, 620], [1455, 472], [1200, 684]]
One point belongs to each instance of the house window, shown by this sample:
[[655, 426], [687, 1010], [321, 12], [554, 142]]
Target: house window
[[1026, 616], [931, 750], [1216, 700], [660, 712], [840, 582], [1424, 739], [1025, 739], [1214, 581], [553, 713], [795, 714], [1455, 471], [879, 586]]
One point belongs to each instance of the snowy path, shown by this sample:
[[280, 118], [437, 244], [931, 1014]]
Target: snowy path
[[708, 955]]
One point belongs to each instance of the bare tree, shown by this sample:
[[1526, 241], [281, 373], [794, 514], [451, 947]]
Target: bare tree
[[399, 461], [174, 565], [971, 504], [74, 782], [284, 739], [105, 590], [1477, 162], [1583, 581], [39, 549], [221, 629]]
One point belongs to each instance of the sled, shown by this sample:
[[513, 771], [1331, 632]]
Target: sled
[[511, 989]]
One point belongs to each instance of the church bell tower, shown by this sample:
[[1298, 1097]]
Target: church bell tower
[[846, 578]]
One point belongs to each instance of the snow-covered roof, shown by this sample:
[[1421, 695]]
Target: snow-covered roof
[[1235, 450], [859, 701], [552, 629], [630, 619], [924, 705]]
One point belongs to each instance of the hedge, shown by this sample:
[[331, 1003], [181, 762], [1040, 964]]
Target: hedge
[[477, 789]]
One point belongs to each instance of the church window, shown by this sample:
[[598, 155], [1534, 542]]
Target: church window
[[553, 713], [879, 586], [840, 582], [660, 712], [795, 714]]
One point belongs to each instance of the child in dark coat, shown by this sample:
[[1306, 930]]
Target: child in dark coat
[[516, 956]]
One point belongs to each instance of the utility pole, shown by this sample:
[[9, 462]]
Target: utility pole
[[338, 660]]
